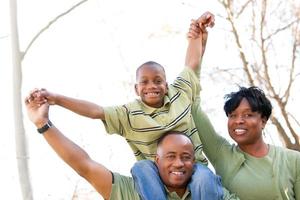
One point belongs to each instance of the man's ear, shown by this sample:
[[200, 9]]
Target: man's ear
[[156, 159], [136, 89]]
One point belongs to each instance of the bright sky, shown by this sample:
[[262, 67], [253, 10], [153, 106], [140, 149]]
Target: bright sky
[[83, 55]]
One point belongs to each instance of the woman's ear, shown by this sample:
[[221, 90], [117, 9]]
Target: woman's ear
[[264, 122]]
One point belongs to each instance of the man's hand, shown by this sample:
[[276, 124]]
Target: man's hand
[[37, 113]]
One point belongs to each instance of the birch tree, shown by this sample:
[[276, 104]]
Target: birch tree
[[17, 57]]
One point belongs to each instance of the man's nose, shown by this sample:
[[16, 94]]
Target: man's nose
[[178, 162]]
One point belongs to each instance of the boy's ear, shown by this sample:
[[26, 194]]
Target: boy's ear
[[167, 86], [136, 89]]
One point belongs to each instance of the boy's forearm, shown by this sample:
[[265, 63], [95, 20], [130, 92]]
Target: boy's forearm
[[194, 53], [81, 107]]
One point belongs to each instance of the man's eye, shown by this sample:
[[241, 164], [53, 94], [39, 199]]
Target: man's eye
[[186, 158], [170, 157]]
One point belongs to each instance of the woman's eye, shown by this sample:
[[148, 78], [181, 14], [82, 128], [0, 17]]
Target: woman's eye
[[231, 115]]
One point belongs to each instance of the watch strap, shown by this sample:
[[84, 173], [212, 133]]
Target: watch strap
[[44, 128]]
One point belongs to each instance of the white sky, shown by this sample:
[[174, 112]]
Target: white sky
[[83, 55]]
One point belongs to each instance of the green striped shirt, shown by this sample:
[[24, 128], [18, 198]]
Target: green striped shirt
[[142, 125]]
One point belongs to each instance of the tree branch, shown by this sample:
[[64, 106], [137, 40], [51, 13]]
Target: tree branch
[[282, 29], [48, 25], [243, 8]]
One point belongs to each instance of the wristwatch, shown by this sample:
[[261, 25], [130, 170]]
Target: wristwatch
[[45, 127]]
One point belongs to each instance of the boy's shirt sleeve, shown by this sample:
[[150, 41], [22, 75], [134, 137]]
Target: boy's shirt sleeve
[[115, 120], [188, 81]]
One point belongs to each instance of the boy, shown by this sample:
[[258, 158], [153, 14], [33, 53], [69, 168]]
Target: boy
[[161, 108]]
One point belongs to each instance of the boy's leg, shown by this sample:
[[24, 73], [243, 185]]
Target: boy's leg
[[147, 181], [205, 185]]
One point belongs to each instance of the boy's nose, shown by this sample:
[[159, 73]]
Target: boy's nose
[[152, 85]]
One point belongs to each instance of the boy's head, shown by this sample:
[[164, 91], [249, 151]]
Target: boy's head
[[151, 84]]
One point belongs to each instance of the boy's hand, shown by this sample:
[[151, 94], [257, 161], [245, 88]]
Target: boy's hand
[[42, 96], [198, 28]]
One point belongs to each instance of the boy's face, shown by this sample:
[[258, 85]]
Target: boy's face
[[151, 85]]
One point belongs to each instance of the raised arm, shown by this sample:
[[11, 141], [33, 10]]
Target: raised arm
[[96, 174], [197, 38], [81, 107]]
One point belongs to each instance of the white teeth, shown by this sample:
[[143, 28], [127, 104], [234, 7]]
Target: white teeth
[[177, 173], [239, 131], [152, 93]]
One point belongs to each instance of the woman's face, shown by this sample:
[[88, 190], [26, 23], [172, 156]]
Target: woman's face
[[245, 126]]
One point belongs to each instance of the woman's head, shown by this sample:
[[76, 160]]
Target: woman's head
[[255, 97], [248, 111]]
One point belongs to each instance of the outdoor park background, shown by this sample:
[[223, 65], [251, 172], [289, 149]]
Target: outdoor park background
[[92, 53]]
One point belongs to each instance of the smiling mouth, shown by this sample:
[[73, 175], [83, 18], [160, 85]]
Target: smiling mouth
[[177, 173], [239, 131], [152, 94]]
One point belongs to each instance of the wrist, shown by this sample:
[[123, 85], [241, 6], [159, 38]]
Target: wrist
[[44, 127], [41, 122]]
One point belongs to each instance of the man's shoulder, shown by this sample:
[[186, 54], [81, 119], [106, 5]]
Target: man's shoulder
[[123, 188]]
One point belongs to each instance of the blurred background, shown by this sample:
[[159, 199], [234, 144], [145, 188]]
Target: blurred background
[[90, 49]]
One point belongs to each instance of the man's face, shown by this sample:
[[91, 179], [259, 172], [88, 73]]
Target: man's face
[[151, 85], [175, 162]]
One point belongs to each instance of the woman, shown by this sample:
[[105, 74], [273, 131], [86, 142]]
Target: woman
[[251, 168]]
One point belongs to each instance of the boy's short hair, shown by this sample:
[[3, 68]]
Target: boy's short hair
[[153, 63], [255, 97]]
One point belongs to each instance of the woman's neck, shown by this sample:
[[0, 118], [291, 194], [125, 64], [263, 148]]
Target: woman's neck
[[257, 150]]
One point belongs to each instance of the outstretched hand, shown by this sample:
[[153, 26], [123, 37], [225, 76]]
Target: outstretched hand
[[198, 28], [37, 112], [42, 96]]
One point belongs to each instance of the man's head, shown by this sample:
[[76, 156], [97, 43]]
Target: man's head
[[151, 84], [175, 160]]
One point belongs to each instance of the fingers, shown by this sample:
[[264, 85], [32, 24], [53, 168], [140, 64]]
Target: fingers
[[207, 19], [194, 30], [35, 97]]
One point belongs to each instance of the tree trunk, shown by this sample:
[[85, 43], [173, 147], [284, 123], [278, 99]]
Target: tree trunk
[[20, 138]]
